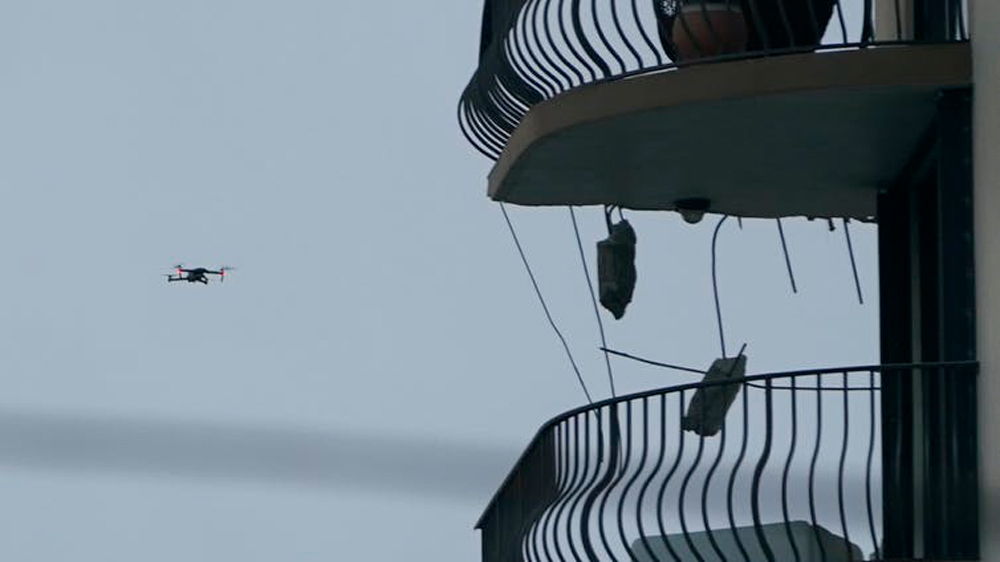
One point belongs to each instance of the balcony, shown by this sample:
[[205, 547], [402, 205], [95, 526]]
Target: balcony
[[791, 469], [612, 102]]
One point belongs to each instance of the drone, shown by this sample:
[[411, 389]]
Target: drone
[[197, 274]]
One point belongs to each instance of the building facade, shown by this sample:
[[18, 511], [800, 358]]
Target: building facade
[[884, 111]]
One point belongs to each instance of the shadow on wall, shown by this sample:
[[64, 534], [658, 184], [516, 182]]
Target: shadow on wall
[[389, 464]]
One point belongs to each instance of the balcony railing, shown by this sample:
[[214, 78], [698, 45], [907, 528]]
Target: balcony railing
[[785, 466], [533, 50]]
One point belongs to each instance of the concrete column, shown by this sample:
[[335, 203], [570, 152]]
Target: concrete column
[[985, 26]]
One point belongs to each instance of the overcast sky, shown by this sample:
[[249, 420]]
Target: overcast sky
[[359, 386]]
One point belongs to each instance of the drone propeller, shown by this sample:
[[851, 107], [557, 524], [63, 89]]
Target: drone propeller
[[222, 272]]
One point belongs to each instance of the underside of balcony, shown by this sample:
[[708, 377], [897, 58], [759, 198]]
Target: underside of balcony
[[813, 134]]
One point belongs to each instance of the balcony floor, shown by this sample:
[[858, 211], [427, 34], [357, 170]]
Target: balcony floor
[[795, 135]]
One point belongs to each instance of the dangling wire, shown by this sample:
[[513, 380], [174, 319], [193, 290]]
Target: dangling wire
[[715, 286], [545, 307], [854, 265], [788, 261], [593, 300], [654, 363]]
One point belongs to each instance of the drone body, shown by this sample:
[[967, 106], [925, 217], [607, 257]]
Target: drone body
[[197, 274]]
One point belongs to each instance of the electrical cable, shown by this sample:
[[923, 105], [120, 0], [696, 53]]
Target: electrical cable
[[854, 265], [754, 385], [654, 363], [593, 300], [545, 308], [788, 261], [715, 286]]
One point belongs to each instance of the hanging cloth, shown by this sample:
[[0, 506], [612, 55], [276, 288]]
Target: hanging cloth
[[616, 273]]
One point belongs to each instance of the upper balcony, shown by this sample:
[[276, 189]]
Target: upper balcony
[[761, 108]]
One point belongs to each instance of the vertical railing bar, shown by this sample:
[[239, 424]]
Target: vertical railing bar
[[504, 118], [540, 526], [494, 133], [613, 471], [670, 474], [548, 35], [645, 36], [491, 123], [687, 478], [595, 485], [601, 64], [516, 102], [555, 48], [519, 64], [574, 483], [759, 472], [621, 33], [517, 35], [812, 467], [840, 18], [736, 468], [584, 471], [708, 482], [868, 471], [586, 482], [628, 485], [515, 106], [465, 126], [868, 29], [788, 465], [840, 469], [652, 476], [564, 493], [604, 38], [557, 86], [572, 48], [490, 139]]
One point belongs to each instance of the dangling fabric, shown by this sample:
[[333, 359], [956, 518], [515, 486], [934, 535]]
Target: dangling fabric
[[616, 268], [707, 410]]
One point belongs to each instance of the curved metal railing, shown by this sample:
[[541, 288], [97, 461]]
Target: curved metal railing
[[533, 50], [794, 472]]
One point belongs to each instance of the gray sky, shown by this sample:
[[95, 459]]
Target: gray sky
[[379, 329]]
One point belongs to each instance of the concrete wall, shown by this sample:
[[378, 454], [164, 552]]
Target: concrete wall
[[985, 25]]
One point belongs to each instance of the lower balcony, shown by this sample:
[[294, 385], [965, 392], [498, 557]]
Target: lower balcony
[[803, 466]]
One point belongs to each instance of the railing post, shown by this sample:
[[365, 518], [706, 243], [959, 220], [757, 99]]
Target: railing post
[[759, 472]]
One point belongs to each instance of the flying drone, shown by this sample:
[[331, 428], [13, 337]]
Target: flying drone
[[197, 274]]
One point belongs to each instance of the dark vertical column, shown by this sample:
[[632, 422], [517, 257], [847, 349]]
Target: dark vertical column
[[929, 432], [951, 485], [897, 391]]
